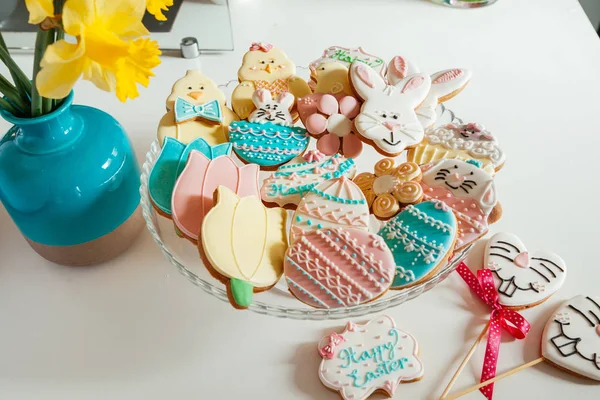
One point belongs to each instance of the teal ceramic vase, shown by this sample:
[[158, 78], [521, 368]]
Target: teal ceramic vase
[[70, 182]]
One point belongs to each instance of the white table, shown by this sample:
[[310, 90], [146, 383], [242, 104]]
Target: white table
[[135, 329]]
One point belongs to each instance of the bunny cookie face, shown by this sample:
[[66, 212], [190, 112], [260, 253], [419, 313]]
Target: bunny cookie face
[[276, 111], [387, 117], [522, 280], [263, 62], [571, 338]]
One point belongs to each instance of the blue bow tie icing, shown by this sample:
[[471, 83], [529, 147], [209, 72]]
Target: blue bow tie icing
[[184, 110]]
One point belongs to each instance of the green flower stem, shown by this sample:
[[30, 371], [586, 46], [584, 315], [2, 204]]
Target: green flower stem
[[7, 106], [47, 104], [42, 40], [18, 76], [12, 95]]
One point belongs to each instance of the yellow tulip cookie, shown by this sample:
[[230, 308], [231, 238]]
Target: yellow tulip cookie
[[244, 244], [196, 91], [265, 67]]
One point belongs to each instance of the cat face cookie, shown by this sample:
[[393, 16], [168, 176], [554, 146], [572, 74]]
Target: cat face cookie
[[468, 190], [522, 279], [387, 117], [291, 182], [571, 338], [332, 268], [368, 358], [334, 203], [201, 111], [244, 242], [421, 238]]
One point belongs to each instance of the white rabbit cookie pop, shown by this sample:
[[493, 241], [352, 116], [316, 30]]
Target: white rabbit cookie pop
[[387, 118], [196, 90]]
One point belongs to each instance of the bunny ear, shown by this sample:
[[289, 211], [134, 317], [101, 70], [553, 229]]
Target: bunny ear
[[446, 84], [488, 199], [286, 99], [365, 80], [399, 68], [261, 96], [414, 88]]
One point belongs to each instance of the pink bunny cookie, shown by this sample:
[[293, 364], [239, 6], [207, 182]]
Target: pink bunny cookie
[[387, 118]]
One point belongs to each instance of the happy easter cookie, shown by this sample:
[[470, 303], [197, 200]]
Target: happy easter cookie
[[292, 181], [462, 142], [421, 238], [333, 203], [244, 243], [201, 111], [368, 358], [332, 268], [265, 67], [192, 196], [387, 118], [522, 279], [468, 190], [169, 165], [571, 338], [268, 137]]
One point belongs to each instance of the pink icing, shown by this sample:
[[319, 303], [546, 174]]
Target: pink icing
[[349, 106], [316, 124], [329, 144], [352, 146], [598, 329], [322, 273], [194, 189], [327, 104], [448, 76], [472, 221], [364, 73], [313, 156], [265, 47], [399, 66], [522, 260], [391, 125], [413, 83]]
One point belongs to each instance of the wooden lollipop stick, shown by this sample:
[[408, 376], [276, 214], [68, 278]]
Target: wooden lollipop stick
[[496, 378], [465, 360]]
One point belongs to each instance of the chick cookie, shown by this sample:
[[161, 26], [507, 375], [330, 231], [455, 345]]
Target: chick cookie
[[265, 67], [195, 109]]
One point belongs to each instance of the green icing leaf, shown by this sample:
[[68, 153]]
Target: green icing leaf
[[241, 292]]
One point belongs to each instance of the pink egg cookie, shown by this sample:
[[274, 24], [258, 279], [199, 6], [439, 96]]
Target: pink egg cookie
[[335, 267]]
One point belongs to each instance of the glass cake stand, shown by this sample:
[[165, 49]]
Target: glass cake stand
[[278, 301]]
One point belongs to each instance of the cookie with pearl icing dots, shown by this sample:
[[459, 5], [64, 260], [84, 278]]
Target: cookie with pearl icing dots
[[375, 357], [421, 238], [522, 279]]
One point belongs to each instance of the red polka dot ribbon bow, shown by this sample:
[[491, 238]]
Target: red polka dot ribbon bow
[[511, 321]]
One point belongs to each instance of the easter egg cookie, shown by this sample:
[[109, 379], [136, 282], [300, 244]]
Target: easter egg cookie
[[196, 109], [267, 138], [333, 203], [421, 238], [522, 279], [468, 190], [571, 338], [265, 67], [194, 190], [169, 165], [390, 187], [332, 268], [369, 358], [244, 243], [462, 142], [294, 180]]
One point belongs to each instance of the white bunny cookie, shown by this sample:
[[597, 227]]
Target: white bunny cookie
[[387, 118], [276, 111]]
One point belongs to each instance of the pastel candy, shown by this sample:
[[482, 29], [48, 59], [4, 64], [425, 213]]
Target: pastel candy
[[330, 268], [420, 237]]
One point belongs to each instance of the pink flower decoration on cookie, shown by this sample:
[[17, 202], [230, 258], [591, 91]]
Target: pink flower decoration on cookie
[[261, 46], [472, 130], [332, 117]]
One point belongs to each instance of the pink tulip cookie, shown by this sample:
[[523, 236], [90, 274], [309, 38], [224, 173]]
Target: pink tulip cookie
[[369, 358], [330, 118], [194, 189], [333, 203], [332, 268]]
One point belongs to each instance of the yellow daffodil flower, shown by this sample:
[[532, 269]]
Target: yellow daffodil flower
[[39, 10], [156, 8], [137, 68]]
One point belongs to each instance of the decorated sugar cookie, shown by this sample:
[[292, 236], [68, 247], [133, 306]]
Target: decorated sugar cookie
[[265, 67], [444, 86], [369, 358], [334, 203], [390, 187], [267, 138], [244, 242], [522, 279], [387, 118], [468, 190], [169, 165], [292, 181], [192, 196], [339, 267], [196, 109], [571, 339], [421, 238], [462, 142], [330, 118]]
